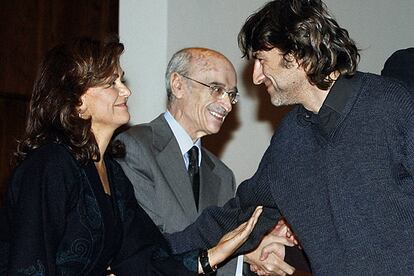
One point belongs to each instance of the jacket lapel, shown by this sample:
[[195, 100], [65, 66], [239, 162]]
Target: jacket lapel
[[210, 182], [173, 169]]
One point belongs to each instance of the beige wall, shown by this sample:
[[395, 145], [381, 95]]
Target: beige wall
[[153, 30]]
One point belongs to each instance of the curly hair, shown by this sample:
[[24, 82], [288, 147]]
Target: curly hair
[[66, 73], [305, 30]]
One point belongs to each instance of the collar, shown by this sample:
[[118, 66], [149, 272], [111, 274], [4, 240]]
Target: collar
[[335, 106], [183, 139]]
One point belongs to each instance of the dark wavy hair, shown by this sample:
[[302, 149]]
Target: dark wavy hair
[[66, 73], [305, 30]]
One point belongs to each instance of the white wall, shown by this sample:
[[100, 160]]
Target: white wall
[[143, 30], [153, 30], [379, 27]]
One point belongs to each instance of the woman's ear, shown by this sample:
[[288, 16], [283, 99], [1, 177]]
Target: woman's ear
[[82, 108], [177, 85]]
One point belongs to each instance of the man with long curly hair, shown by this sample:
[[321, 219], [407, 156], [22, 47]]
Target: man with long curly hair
[[339, 167]]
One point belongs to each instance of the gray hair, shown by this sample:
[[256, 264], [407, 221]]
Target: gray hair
[[179, 63]]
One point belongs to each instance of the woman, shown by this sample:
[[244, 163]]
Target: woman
[[72, 209]]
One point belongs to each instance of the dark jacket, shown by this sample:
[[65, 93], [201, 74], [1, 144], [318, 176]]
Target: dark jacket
[[57, 226]]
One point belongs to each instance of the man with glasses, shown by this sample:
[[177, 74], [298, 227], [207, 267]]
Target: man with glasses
[[174, 177]]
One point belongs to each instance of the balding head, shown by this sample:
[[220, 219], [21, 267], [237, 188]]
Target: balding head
[[189, 60], [201, 87]]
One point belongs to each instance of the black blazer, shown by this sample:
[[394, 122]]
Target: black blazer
[[57, 226]]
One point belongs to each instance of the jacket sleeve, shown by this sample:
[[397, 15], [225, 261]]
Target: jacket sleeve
[[37, 199], [144, 250]]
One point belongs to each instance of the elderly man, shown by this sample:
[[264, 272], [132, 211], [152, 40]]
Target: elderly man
[[340, 167], [174, 177]]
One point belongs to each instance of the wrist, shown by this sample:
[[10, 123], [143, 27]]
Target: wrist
[[207, 261], [247, 258], [212, 257]]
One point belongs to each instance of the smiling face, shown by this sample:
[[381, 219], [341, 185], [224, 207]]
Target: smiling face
[[285, 81], [197, 111], [106, 104]]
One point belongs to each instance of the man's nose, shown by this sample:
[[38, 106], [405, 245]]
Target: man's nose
[[226, 103], [258, 76]]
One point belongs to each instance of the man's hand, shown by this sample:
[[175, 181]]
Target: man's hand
[[289, 234], [267, 258]]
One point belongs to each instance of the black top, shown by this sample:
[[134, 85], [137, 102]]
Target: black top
[[111, 221], [62, 223]]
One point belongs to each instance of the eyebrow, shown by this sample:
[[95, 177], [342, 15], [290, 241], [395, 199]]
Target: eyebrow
[[217, 83], [258, 55], [116, 75], [222, 84]]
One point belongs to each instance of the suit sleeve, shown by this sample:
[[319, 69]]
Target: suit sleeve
[[136, 167], [38, 197], [215, 221]]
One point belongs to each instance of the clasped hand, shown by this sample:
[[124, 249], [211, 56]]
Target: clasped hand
[[268, 257]]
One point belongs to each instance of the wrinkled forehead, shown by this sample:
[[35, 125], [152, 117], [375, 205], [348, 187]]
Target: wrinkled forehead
[[213, 65]]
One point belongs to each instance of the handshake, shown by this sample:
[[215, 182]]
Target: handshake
[[268, 257]]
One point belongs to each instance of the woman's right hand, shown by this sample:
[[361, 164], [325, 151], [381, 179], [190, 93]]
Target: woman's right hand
[[231, 241]]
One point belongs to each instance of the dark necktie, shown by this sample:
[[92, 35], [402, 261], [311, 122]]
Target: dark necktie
[[193, 172]]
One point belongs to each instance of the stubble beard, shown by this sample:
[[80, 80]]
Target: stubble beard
[[279, 99], [284, 98]]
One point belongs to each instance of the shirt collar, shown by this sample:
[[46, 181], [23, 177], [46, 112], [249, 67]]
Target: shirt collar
[[184, 140], [333, 108]]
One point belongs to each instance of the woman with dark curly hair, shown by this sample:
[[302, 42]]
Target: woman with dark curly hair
[[71, 209]]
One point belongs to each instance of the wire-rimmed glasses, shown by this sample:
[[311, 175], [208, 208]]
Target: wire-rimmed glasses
[[219, 91]]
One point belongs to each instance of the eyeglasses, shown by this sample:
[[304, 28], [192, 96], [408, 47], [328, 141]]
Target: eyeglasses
[[218, 91]]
